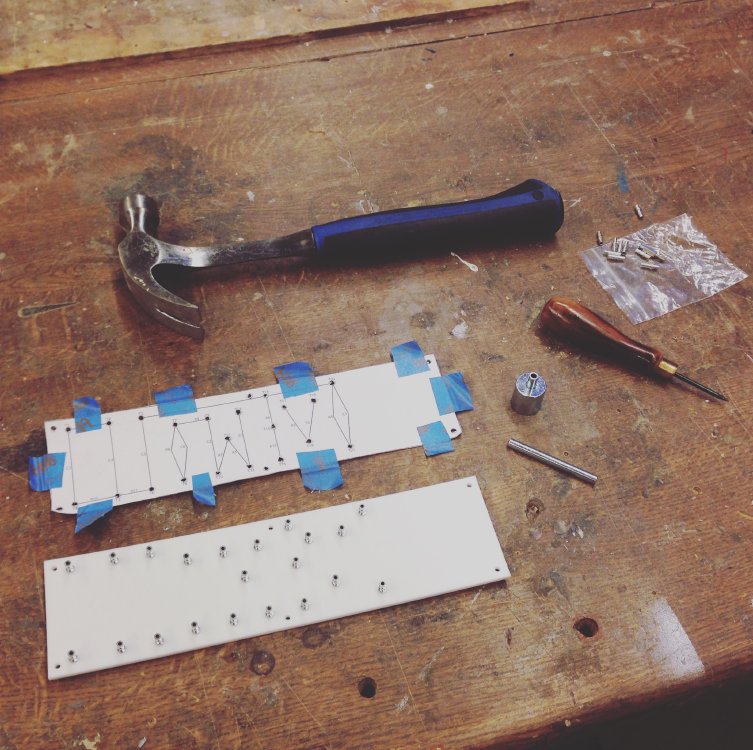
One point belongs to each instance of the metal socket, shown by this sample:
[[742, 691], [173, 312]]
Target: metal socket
[[528, 394]]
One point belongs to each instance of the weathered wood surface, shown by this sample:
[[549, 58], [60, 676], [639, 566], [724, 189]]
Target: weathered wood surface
[[659, 553], [36, 34]]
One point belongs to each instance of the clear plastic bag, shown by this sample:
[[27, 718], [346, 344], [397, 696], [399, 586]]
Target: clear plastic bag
[[693, 268]]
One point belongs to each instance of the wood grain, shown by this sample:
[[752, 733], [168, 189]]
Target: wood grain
[[36, 34], [650, 105]]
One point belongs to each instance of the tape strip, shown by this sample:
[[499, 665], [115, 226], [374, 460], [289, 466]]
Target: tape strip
[[203, 491], [451, 393], [320, 470], [295, 379], [435, 439], [86, 515], [46, 472], [408, 358], [87, 414], [177, 400]]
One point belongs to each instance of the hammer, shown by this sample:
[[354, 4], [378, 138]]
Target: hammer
[[528, 211]]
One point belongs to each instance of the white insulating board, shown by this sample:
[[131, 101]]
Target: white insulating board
[[420, 543], [138, 455]]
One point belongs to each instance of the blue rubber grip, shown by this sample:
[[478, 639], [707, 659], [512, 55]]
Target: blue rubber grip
[[528, 211]]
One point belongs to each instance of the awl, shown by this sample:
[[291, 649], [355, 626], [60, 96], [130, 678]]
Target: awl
[[570, 320]]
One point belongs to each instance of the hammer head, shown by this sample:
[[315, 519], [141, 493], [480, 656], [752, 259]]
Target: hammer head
[[140, 252]]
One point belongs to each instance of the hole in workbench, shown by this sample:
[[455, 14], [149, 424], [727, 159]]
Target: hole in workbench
[[587, 627], [367, 687]]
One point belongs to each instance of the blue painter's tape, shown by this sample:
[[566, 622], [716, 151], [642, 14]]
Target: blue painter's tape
[[435, 439], [203, 492], [408, 358], [451, 393], [320, 470], [46, 472], [87, 414], [295, 379], [88, 514], [177, 400]]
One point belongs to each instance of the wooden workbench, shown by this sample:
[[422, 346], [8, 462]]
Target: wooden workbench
[[613, 103]]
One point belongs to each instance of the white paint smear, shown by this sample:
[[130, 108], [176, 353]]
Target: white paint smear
[[472, 266], [250, 196], [460, 331], [667, 644]]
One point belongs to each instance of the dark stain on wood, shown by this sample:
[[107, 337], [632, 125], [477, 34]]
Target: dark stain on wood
[[262, 663]]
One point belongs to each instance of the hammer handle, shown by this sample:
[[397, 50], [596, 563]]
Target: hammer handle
[[527, 211]]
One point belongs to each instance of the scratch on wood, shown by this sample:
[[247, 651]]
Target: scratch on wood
[[425, 674], [308, 711], [207, 702], [400, 666], [31, 310]]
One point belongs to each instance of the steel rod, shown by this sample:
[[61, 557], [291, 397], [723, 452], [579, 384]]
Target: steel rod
[[555, 463]]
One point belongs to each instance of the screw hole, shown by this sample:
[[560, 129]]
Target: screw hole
[[57, 666], [55, 428], [287, 617], [587, 627], [367, 687], [453, 429], [54, 567]]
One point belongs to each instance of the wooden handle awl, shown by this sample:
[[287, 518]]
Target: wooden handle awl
[[571, 320]]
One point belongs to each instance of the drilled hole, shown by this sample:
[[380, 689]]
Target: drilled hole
[[367, 687], [587, 627]]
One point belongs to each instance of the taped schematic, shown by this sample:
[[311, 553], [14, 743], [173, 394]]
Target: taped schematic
[[99, 460], [131, 604]]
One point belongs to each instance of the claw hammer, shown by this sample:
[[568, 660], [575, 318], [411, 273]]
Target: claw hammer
[[528, 211]]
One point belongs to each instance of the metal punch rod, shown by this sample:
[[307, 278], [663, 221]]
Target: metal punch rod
[[555, 463]]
